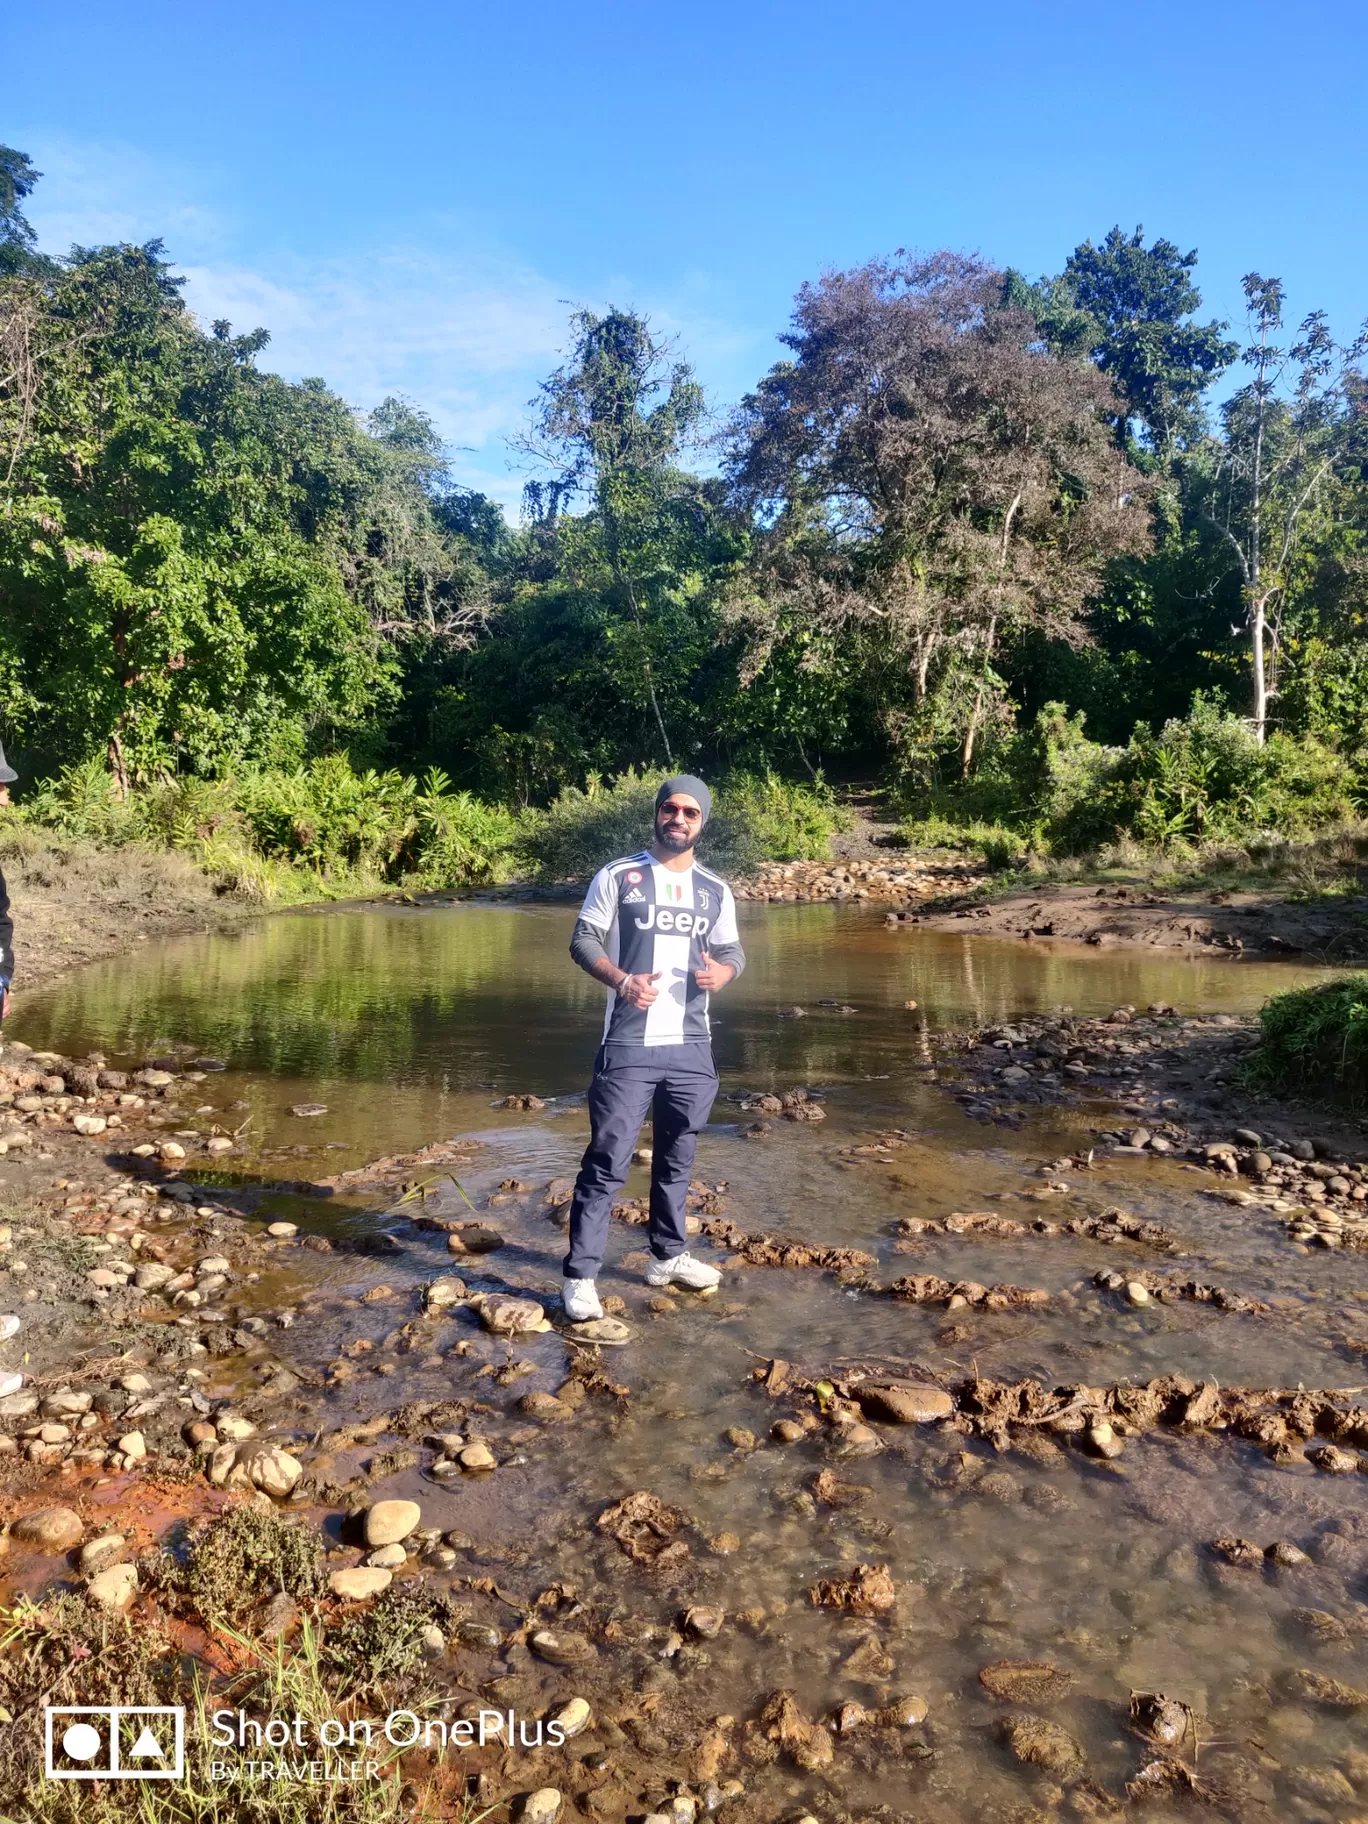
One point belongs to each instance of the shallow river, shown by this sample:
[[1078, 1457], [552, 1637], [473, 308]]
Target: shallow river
[[410, 1025]]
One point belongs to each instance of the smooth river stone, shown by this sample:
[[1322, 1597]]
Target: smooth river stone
[[50, 1529], [391, 1522], [360, 1583], [905, 1403]]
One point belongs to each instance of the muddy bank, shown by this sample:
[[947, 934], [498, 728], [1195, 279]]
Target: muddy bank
[[74, 903], [1238, 923]]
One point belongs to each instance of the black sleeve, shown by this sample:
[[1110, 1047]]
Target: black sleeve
[[586, 946], [729, 953], [6, 936]]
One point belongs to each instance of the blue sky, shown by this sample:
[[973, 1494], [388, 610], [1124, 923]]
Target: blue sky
[[412, 198]]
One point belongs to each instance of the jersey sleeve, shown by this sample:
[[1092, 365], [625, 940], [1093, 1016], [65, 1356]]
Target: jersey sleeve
[[725, 931], [600, 902]]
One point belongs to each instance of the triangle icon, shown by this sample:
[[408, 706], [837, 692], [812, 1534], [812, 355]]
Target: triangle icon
[[146, 1748]]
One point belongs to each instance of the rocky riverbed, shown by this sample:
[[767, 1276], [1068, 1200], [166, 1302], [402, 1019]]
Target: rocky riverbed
[[1014, 1472]]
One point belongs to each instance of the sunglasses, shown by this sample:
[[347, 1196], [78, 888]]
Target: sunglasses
[[690, 813]]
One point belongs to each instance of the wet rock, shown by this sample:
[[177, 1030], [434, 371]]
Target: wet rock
[[391, 1522], [563, 1649], [905, 1402], [544, 1406], [359, 1583], [475, 1239], [573, 1718], [443, 1292], [1286, 1556], [171, 1151], [477, 1457], [114, 1588], [609, 1331], [1040, 1743], [783, 1723], [1333, 1461], [387, 1557], [871, 1591], [869, 1664], [282, 1231], [512, 1316], [133, 1445], [1136, 1293], [1240, 1552], [1315, 1688], [49, 1529], [1103, 1441], [1026, 1681], [1317, 1785], [705, 1620], [1320, 1626], [907, 1712], [787, 1431], [309, 1110]]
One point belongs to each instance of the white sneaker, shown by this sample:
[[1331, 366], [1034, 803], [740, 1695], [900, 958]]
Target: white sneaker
[[683, 1270], [581, 1300]]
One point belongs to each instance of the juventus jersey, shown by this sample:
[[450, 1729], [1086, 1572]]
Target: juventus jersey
[[655, 921]]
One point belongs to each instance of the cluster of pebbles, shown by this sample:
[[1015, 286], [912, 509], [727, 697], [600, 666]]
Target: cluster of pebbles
[[43, 1094], [902, 883]]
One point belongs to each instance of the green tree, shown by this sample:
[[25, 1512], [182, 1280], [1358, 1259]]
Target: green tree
[[1264, 488], [613, 422], [923, 474], [1138, 304]]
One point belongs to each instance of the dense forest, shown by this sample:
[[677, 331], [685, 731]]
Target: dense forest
[[984, 539]]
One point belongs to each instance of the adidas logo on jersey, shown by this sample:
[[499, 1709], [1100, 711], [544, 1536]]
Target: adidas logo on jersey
[[635, 898]]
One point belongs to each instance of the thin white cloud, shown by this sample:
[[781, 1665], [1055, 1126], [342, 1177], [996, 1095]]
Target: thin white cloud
[[466, 336], [466, 330]]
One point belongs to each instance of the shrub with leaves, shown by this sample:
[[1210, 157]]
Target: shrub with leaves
[[1314, 1041]]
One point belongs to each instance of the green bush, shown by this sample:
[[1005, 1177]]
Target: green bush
[[348, 829], [1201, 779], [755, 818], [1314, 1041]]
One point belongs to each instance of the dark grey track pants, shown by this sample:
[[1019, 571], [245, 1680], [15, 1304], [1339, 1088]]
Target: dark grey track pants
[[677, 1083]]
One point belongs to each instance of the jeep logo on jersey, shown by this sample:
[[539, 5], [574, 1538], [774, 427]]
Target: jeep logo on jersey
[[660, 918]]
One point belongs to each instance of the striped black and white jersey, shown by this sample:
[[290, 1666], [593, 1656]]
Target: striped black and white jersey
[[654, 921]]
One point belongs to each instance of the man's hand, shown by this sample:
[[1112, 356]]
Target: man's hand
[[639, 990], [713, 976], [4, 1004]]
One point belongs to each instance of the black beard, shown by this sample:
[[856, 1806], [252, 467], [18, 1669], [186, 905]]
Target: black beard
[[677, 845]]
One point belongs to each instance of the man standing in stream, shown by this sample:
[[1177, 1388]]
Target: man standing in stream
[[659, 932]]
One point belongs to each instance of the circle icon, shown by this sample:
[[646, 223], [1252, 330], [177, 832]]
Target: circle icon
[[81, 1742]]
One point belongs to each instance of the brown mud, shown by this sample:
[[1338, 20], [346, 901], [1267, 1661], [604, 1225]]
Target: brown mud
[[74, 903], [1246, 922]]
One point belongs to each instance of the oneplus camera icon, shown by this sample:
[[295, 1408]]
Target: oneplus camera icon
[[115, 1742]]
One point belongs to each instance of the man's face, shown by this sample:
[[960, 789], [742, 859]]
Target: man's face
[[4, 794], [678, 822]]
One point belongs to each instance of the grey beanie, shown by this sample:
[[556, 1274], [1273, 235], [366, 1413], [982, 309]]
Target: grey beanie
[[7, 772], [691, 788]]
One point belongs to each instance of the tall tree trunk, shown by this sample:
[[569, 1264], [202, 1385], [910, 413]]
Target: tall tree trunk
[[1258, 621], [976, 713]]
